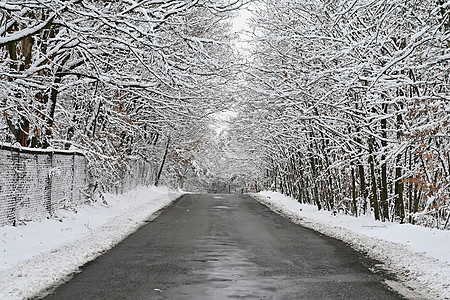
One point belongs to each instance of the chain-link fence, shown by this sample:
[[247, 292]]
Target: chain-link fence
[[137, 173]]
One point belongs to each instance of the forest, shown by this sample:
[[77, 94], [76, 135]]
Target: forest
[[340, 104], [118, 80], [350, 105]]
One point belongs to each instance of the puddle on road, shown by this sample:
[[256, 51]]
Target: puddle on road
[[222, 207], [221, 270], [221, 267]]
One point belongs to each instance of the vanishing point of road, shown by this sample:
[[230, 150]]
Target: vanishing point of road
[[226, 247]]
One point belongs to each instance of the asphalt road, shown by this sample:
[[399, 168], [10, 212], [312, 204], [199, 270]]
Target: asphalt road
[[226, 247]]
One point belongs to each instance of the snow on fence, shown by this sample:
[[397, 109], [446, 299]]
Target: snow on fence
[[33, 183]]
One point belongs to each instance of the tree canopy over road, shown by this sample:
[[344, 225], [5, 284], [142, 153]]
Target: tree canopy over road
[[113, 78], [350, 105], [343, 104]]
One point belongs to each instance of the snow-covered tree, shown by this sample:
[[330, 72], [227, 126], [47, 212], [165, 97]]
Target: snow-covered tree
[[115, 79], [351, 104]]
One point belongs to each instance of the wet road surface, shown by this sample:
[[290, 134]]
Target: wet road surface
[[226, 247]]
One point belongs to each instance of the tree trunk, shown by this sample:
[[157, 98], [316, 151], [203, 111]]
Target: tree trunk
[[158, 176], [355, 207], [374, 200], [384, 187], [12, 49], [314, 178], [362, 186], [399, 205], [444, 18]]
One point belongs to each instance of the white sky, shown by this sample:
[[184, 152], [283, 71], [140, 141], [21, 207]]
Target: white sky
[[240, 22], [241, 28]]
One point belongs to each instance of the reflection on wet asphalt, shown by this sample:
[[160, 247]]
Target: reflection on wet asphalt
[[226, 247], [220, 267]]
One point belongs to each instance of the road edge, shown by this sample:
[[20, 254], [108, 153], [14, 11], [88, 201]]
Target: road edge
[[68, 255], [406, 284]]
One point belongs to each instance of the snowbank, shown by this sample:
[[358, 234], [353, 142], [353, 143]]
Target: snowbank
[[37, 256], [418, 256]]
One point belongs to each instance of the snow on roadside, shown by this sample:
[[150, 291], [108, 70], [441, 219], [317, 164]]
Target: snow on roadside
[[418, 256], [41, 254]]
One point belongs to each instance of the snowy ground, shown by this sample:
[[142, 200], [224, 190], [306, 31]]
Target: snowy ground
[[38, 255], [418, 256]]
